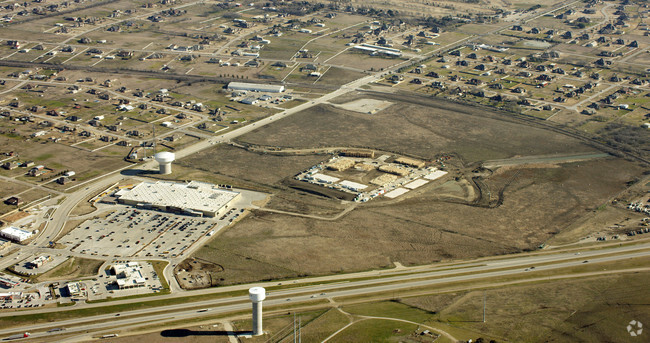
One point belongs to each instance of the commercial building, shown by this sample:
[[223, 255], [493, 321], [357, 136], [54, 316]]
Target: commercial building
[[322, 178], [7, 282], [76, 291], [249, 101], [129, 275], [435, 174], [11, 296], [15, 234], [353, 186], [255, 87], [39, 261], [194, 198], [378, 50]]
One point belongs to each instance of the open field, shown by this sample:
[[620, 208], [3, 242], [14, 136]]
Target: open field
[[28, 196], [561, 310], [8, 189], [414, 130], [528, 206], [513, 209], [59, 158], [597, 308], [376, 330], [74, 267], [236, 163]]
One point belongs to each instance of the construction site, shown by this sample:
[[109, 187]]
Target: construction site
[[358, 172]]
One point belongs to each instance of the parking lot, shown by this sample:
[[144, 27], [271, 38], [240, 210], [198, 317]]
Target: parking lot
[[24, 267], [25, 300], [134, 232]]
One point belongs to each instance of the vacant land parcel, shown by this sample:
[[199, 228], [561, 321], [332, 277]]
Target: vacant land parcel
[[501, 211], [414, 129]]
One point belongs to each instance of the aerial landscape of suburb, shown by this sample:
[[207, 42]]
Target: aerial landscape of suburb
[[324, 171]]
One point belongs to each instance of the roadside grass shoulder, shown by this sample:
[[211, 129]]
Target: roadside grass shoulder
[[392, 309], [375, 330], [325, 325]]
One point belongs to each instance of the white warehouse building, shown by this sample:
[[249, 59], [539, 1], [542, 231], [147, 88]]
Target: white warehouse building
[[255, 87], [15, 234], [194, 198]]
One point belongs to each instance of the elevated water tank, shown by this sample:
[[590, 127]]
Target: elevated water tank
[[165, 160]]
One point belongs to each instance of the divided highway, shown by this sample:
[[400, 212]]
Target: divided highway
[[468, 271]]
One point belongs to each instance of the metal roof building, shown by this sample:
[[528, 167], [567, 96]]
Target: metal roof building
[[255, 87], [15, 234], [194, 198]]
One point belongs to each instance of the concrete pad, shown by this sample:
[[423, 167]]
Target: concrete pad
[[435, 175], [396, 192], [370, 106], [415, 184]]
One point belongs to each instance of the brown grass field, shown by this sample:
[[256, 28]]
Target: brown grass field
[[414, 129], [593, 309], [515, 209], [264, 169], [414, 231], [74, 267]]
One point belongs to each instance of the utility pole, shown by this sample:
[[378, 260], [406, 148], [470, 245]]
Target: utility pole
[[299, 329], [294, 327], [154, 138], [483, 306]]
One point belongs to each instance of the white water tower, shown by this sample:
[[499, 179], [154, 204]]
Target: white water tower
[[257, 294], [165, 160]]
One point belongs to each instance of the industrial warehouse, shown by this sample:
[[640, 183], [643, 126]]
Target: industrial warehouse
[[15, 234], [194, 198]]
